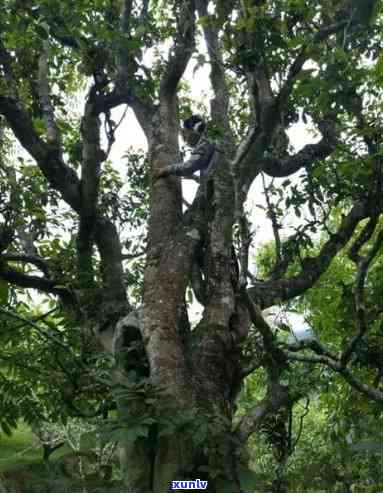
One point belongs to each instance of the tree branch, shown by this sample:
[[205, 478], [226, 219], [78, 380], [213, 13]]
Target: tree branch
[[272, 292], [109, 247], [362, 238], [269, 112], [60, 176], [363, 265], [6, 236], [260, 323], [220, 103], [123, 93], [90, 181], [245, 145], [337, 366], [48, 286], [52, 131], [6, 62], [276, 398], [274, 221], [124, 59], [303, 56], [181, 51], [28, 259], [310, 154]]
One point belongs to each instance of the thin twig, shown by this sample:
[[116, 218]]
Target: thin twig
[[300, 429], [363, 266], [273, 218]]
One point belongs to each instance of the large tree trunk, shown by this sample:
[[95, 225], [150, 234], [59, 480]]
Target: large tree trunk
[[193, 370]]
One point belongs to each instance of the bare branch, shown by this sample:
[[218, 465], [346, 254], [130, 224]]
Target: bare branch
[[362, 238], [39, 317], [131, 256], [300, 429], [374, 394], [123, 93], [251, 160], [143, 111], [110, 129], [321, 349], [313, 359], [181, 51], [245, 146], [144, 11], [245, 243]]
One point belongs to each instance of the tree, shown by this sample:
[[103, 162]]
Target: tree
[[62, 231]]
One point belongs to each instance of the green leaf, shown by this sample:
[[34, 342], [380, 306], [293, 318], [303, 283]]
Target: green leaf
[[248, 479], [130, 434], [6, 429], [41, 32]]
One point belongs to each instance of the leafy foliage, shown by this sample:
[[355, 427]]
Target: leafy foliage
[[93, 240]]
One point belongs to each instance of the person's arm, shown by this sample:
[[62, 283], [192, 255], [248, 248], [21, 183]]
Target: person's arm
[[199, 159]]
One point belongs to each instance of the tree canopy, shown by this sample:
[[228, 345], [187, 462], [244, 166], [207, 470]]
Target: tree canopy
[[101, 262]]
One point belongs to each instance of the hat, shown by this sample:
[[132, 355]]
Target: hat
[[196, 123]]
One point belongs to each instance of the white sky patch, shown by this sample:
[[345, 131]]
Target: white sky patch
[[300, 330], [301, 134]]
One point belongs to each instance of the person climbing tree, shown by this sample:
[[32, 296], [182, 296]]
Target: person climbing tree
[[204, 154]]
